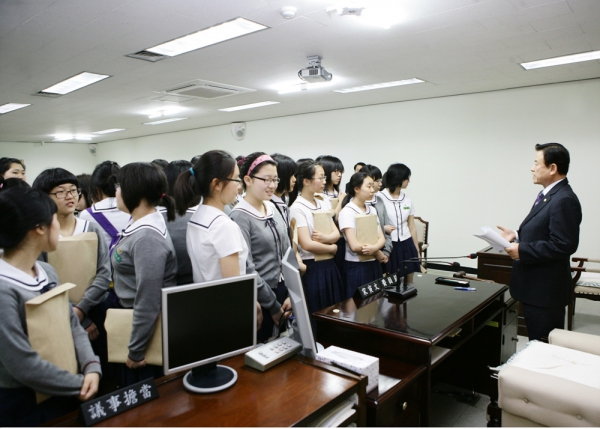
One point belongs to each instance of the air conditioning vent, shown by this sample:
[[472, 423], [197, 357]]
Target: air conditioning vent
[[147, 56], [203, 89]]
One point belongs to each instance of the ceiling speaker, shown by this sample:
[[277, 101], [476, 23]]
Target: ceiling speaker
[[238, 130], [93, 149]]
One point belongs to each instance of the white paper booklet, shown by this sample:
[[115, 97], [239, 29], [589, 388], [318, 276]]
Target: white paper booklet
[[493, 238]]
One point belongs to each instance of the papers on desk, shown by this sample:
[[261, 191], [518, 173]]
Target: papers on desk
[[493, 238], [336, 416]]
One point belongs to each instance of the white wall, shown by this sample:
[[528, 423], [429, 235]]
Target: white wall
[[470, 155]]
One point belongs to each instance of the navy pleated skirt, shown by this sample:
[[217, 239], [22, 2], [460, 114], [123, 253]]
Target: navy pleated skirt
[[360, 273], [18, 407], [322, 284], [266, 328], [402, 251], [340, 261]]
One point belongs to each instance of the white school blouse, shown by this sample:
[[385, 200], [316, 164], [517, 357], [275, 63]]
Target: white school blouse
[[302, 210], [347, 219], [212, 235], [398, 211], [108, 207]]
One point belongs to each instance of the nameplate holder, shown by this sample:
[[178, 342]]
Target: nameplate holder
[[117, 402], [376, 286]]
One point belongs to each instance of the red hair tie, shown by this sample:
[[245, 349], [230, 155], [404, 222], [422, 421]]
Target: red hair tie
[[162, 196]]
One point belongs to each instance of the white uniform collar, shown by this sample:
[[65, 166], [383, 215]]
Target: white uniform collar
[[357, 209], [246, 207], [80, 226], [308, 204], [153, 221], [386, 194], [106, 204], [19, 278]]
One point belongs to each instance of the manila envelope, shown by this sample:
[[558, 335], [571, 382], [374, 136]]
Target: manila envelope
[[118, 325], [334, 202], [323, 225], [366, 232], [48, 318], [76, 261]]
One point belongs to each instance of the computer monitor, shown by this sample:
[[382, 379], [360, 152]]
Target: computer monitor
[[293, 282], [207, 322]]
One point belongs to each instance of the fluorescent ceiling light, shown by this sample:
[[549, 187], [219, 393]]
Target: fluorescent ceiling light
[[295, 86], [380, 85], [209, 36], [164, 121], [249, 106], [111, 130], [66, 137], [74, 83], [559, 61], [9, 107]]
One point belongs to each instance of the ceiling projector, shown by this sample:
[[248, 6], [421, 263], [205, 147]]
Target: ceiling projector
[[314, 72]]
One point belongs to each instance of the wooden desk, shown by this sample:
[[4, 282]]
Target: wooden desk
[[424, 330], [290, 394]]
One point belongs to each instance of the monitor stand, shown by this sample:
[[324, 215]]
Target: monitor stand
[[210, 378]]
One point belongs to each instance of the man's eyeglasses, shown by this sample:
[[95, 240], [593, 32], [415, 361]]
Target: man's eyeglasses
[[63, 194]]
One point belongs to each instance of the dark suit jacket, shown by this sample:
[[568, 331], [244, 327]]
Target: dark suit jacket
[[548, 237]]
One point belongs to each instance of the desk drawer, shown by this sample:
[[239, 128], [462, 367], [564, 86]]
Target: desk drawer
[[400, 409]]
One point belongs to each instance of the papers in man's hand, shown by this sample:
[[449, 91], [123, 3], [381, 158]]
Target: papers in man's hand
[[493, 238]]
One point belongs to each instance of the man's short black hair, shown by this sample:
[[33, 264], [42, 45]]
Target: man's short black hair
[[555, 153]]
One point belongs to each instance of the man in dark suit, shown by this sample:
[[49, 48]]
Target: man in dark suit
[[542, 247]]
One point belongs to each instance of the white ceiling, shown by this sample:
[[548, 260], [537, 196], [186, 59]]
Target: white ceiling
[[456, 46]]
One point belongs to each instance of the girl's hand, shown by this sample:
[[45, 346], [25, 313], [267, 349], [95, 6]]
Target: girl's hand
[[90, 386], [317, 236], [92, 331], [259, 316], [133, 365], [389, 228], [381, 257], [368, 249]]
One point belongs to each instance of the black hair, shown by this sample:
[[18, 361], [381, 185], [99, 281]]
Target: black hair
[[85, 183], [362, 164], [330, 164], [555, 153], [214, 164], [286, 168], [301, 160], [395, 175], [306, 170], [248, 160], [162, 163], [12, 182], [5, 164], [356, 181], [145, 181], [195, 159], [173, 170], [372, 171], [101, 180], [53, 177], [21, 210]]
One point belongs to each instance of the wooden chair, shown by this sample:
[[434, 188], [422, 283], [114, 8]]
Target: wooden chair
[[422, 235], [583, 278]]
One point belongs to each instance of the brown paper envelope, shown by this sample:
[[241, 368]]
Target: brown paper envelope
[[334, 203], [76, 261], [118, 325], [323, 225], [48, 319], [366, 232]]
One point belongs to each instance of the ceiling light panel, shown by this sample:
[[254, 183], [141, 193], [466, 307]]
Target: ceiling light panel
[[111, 130], [249, 106], [9, 107], [380, 85], [559, 61], [164, 121], [74, 83], [209, 36]]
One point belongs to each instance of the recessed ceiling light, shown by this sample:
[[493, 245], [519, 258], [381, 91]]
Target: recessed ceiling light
[[379, 85], [62, 137], [559, 61], [209, 36], [111, 130], [249, 106], [164, 121], [74, 83], [9, 107]]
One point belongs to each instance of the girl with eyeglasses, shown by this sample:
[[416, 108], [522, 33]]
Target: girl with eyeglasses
[[63, 188], [322, 281], [143, 260], [355, 203], [266, 234], [104, 211], [28, 227]]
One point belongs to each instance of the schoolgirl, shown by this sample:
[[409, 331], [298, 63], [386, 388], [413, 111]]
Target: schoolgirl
[[322, 281], [63, 188], [178, 227], [143, 260], [377, 202], [12, 167], [28, 227], [85, 201], [215, 243], [104, 211], [400, 210], [286, 171], [266, 235], [354, 204]]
